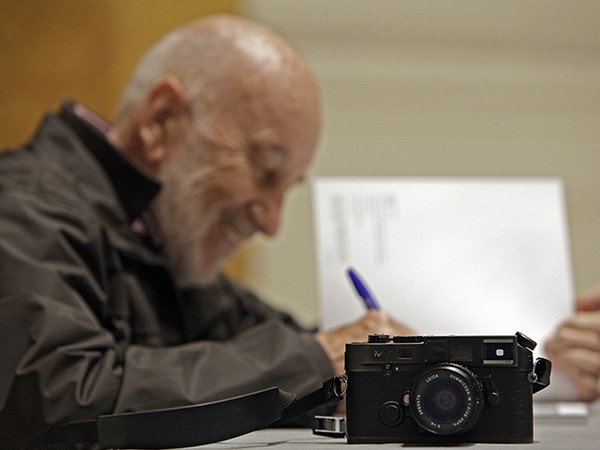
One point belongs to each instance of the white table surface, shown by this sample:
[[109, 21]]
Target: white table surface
[[576, 433]]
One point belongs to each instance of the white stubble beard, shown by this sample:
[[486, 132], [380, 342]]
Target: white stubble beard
[[183, 219]]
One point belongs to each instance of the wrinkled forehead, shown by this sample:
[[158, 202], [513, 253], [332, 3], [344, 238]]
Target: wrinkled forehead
[[280, 104]]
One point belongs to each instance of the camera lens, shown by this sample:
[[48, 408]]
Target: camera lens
[[447, 399]]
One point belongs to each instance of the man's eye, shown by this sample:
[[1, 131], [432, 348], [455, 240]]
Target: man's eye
[[267, 162], [267, 175]]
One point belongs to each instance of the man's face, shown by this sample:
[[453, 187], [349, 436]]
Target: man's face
[[228, 177]]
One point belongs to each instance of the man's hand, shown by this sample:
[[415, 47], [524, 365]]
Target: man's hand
[[333, 342], [575, 347]]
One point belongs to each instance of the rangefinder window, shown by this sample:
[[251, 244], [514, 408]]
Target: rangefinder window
[[436, 351], [405, 353], [498, 351]]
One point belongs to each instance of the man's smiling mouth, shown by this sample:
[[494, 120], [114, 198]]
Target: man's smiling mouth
[[236, 233]]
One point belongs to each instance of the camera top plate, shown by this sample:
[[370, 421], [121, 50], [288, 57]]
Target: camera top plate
[[493, 350]]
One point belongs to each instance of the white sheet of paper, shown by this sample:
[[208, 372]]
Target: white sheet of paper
[[446, 255]]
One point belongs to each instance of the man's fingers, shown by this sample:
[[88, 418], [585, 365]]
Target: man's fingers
[[589, 300], [587, 320], [587, 385], [567, 337], [382, 322], [583, 361]]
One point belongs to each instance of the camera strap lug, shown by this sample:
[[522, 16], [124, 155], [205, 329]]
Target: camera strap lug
[[331, 392], [540, 375]]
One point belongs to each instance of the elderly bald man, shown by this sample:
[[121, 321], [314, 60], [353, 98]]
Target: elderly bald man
[[112, 238]]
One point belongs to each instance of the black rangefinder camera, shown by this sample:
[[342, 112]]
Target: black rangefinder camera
[[442, 389]]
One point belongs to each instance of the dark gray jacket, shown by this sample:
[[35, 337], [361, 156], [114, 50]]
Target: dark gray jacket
[[90, 319]]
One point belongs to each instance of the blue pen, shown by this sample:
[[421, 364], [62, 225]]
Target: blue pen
[[362, 290]]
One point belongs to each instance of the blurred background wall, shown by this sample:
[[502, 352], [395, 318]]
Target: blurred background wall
[[86, 50], [410, 88], [444, 88]]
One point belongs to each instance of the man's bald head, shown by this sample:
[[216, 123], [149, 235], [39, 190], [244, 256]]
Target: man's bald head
[[210, 51]]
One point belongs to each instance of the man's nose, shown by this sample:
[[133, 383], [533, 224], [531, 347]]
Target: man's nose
[[266, 211]]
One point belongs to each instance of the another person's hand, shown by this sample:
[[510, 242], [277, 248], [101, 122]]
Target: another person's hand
[[373, 322], [575, 347]]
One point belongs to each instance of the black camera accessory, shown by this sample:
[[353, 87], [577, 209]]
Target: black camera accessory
[[192, 425], [331, 426]]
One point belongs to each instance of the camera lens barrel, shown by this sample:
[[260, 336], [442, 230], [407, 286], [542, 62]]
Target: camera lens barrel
[[447, 399]]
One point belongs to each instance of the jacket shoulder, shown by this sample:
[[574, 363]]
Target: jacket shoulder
[[24, 175]]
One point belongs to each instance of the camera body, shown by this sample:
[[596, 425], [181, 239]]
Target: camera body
[[442, 389]]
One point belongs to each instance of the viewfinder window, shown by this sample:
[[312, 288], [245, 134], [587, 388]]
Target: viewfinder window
[[498, 351]]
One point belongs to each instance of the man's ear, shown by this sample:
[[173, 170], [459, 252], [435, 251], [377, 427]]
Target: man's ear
[[163, 120]]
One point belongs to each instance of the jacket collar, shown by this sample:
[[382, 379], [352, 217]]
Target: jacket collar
[[134, 188]]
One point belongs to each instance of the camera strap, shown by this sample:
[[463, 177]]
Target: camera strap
[[192, 425]]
